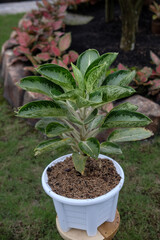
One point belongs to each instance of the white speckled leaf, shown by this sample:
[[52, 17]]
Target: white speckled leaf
[[38, 109], [51, 145], [85, 59], [91, 147], [110, 148], [40, 85], [58, 75], [132, 134], [54, 129], [125, 118], [120, 78], [107, 58], [79, 162]]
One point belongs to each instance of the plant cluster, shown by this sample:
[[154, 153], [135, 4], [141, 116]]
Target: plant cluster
[[155, 8], [72, 116], [40, 38], [147, 79]]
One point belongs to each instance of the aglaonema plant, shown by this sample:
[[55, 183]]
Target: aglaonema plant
[[72, 116]]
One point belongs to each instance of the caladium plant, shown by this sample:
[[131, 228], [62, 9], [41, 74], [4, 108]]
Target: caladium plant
[[147, 79], [41, 38], [72, 116]]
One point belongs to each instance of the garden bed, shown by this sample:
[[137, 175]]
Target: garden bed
[[105, 37]]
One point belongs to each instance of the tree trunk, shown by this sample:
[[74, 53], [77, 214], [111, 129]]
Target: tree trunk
[[130, 12], [109, 10]]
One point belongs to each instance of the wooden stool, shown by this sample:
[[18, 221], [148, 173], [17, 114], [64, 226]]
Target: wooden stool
[[106, 231]]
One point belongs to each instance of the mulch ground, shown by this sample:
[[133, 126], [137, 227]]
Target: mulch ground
[[105, 37]]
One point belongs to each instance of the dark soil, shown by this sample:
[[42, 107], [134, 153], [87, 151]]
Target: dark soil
[[66, 181], [105, 37]]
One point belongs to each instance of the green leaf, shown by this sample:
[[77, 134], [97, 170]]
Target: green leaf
[[91, 147], [125, 118], [78, 77], [85, 59], [107, 58], [131, 134], [95, 99], [51, 145], [112, 93], [58, 75], [42, 124], [125, 106], [109, 148], [54, 129], [95, 77], [38, 109], [40, 85], [79, 162], [70, 95], [91, 116], [120, 78], [73, 119], [97, 121]]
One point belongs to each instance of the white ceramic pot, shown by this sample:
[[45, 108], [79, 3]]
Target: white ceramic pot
[[85, 214]]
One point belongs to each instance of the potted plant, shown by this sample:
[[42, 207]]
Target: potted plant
[[155, 8], [72, 118]]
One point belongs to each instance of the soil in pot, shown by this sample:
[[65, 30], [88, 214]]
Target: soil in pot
[[66, 181]]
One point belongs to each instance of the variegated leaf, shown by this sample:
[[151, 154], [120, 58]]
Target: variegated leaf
[[109, 148], [91, 147], [107, 58], [112, 93], [95, 99], [42, 124], [119, 78], [125, 118], [64, 42], [70, 95], [78, 77], [125, 106], [54, 129], [40, 85], [91, 116], [97, 121], [129, 134], [73, 119], [95, 77], [51, 145], [85, 59], [58, 75], [79, 162], [40, 109]]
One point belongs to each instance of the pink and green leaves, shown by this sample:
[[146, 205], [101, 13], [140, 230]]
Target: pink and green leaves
[[41, 37]]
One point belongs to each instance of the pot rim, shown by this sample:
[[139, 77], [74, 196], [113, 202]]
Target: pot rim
[[81, 202]]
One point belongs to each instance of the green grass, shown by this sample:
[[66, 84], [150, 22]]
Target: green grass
[[7, 22], [27, 213]]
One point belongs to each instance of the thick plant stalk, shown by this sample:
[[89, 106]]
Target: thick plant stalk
[[130, 12]]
